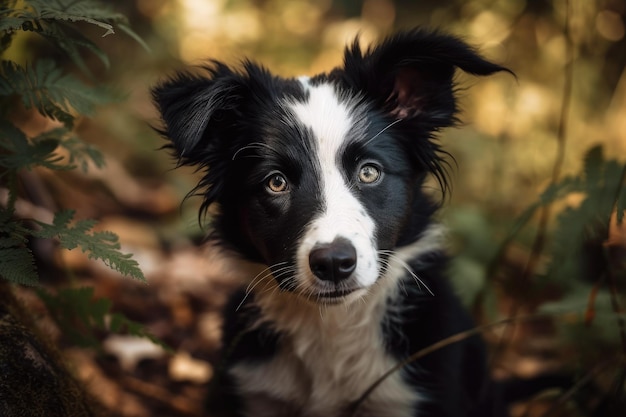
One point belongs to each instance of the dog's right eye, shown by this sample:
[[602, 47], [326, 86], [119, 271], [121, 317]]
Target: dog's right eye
[[277, 183]]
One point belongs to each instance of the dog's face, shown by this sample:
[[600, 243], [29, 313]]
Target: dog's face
[[327, 190], [319, 178]]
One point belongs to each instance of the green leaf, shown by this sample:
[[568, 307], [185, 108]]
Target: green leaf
[[80, 152], [621, 204], [77, 313], [88, 11], [11, 23], [552, 193], [586, 226], [55, 20], [17, 152], [45, 87], [82, 316], [71, 41], [127, 30], [17, 263], [593, 164], [104, 246]]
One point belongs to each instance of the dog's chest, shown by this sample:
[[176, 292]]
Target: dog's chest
[[324, 363]]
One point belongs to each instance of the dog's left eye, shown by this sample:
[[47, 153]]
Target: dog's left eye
[[277, 183], [369, 174]]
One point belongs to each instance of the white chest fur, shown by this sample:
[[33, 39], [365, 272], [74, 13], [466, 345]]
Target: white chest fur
[[328, 357]]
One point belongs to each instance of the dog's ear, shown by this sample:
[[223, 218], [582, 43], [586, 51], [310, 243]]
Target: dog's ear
[[410, 75], [195, 108]]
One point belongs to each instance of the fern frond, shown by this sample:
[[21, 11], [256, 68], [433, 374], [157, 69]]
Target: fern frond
[[593, 164], [17, 263], [88, 11], [53, 19], [602, 182], [17, 152], [12, 23], [80, 152], [54, 94], [621, 204], [552, 193], [103, 246], [127, 30], [72, 42], [80, 315]]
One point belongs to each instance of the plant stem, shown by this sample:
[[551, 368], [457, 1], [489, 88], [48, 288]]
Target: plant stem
[[546, 209]]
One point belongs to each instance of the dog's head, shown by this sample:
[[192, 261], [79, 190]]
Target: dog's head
[[320, 178]]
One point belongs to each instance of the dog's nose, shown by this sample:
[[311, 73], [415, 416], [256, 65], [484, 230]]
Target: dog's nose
[[333, 261]]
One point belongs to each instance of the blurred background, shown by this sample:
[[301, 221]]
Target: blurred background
[[518, 136]]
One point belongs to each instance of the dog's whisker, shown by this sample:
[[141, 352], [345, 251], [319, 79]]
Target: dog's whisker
[[257, 145], [393, 257], [382, 131], [260, 277], [266, 273]]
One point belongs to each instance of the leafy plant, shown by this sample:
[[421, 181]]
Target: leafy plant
[[81, 316], [46, 87]]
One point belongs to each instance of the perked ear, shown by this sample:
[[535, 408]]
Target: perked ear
[[410, 75]]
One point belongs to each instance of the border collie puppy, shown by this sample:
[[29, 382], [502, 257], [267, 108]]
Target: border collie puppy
[[318, 182]]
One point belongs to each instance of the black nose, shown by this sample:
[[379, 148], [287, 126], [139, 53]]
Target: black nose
[[333, 261]]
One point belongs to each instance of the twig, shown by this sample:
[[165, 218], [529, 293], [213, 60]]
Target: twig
[[561, 137], [546, 209], [455, 338]]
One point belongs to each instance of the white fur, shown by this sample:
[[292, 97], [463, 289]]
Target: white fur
[[331, 121], [328, 358], [330, 355]]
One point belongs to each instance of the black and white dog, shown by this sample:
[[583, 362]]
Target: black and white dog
[[319, 181]]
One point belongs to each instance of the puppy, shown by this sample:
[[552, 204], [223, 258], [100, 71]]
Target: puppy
[[319, 182]]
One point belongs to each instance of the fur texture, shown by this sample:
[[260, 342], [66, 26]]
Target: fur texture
[[318, 182]]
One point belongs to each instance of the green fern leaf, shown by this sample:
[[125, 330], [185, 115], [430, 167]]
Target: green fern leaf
[[56, 95], [71, 41], [88, 11], [587, 225], [127, 30], [81, 316], [17, 152], [552, 193], [53, 19], [17, 263], [78, 313], [593, 160], [621, 204], [103, 246], [12, 23], [80, 152]]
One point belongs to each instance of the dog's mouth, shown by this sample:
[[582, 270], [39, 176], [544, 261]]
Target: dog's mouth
[[335, 296]]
